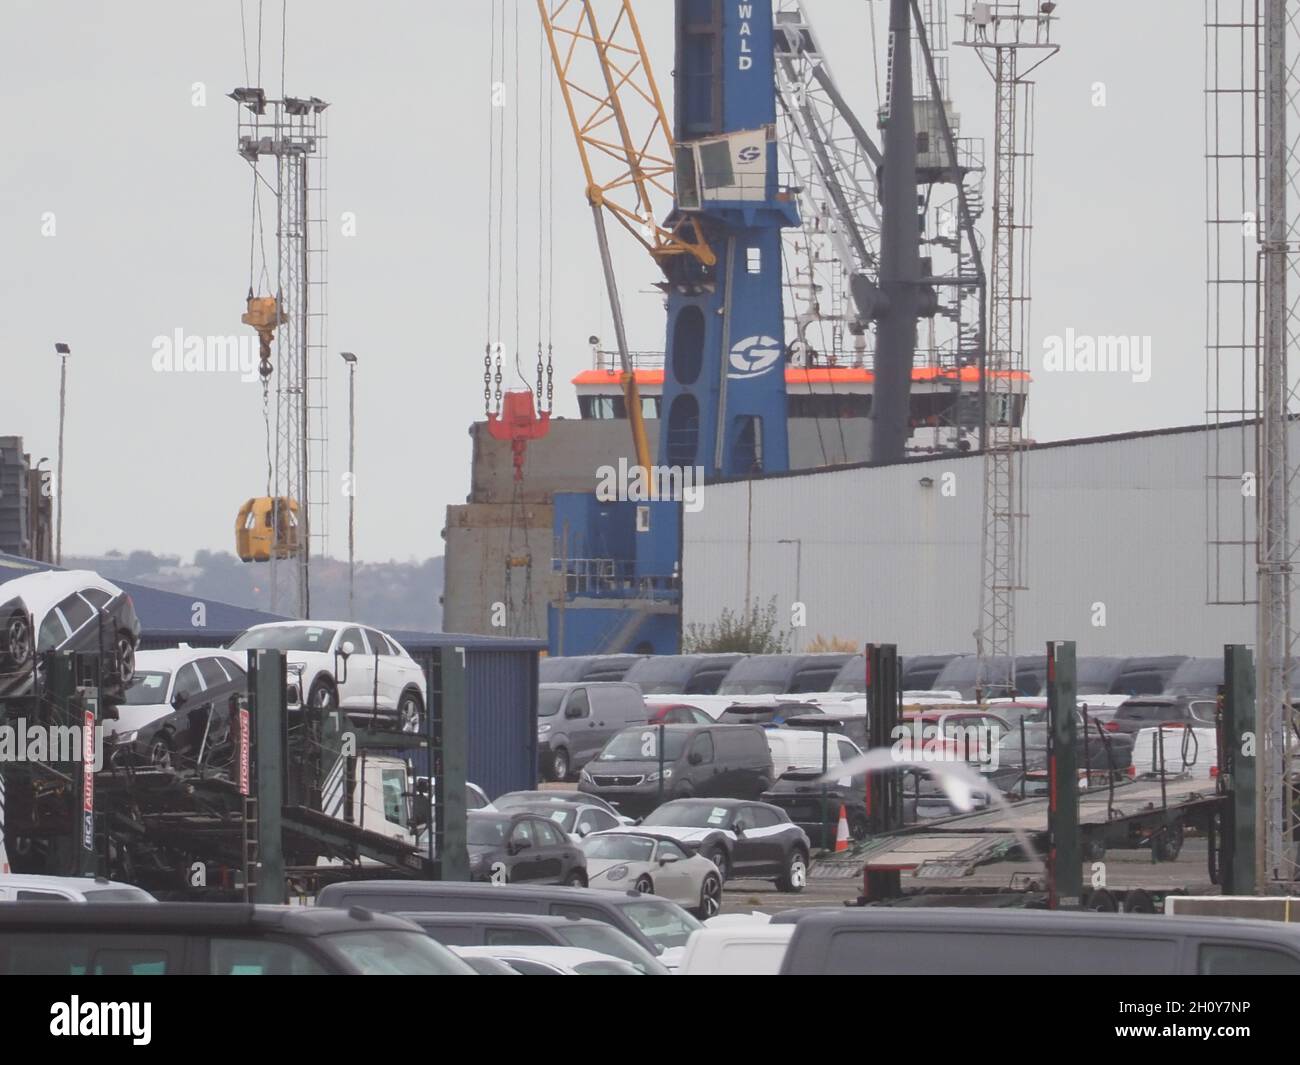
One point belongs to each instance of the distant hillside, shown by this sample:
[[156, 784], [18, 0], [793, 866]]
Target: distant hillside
[[390, 595]]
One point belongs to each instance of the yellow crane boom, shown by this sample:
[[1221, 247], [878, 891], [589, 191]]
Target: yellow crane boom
[[624, 172]]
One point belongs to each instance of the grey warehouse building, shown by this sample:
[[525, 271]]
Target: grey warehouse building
[[1117, 547]]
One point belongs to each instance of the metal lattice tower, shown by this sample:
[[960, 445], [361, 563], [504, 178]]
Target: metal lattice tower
[[291, 132], [1233, 108], [1253, 245], [999, 33]]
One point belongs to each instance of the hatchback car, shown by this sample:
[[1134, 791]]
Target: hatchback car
[[178, 707], [518, 847], [65, 610], [341, 664]]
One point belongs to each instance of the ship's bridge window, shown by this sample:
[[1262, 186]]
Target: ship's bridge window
[[606, 408]]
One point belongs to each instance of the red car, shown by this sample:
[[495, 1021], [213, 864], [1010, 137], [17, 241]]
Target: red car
[[677, 714]]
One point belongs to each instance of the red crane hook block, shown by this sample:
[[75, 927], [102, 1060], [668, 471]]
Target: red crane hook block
[[518, 422]]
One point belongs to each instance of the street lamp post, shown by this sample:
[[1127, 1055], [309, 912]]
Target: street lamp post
[[351, 360], [798, 578], [63, 351]]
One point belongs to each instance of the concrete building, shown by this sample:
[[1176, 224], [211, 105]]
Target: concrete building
[[1116, 552], [26, 513]]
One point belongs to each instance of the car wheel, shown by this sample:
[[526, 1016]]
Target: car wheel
[[410, 712], [644, 885], [559, 767], [718, 856], [576, 878], [858, 826], [125, 648], [17, 647], [323, 695], [794, 878], [1167, 843], [160, 752], [710, 897]]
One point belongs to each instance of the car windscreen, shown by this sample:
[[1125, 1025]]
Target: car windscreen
[[618, 847], [758, 675], [394, 952], [642, 745], [665, 925], [1035, 739], [1146, 711], [605, 939], [662, 675], [148, 688], [549, 700], [563, 816], [852, 676], [285, 638], [689, 815], [487, 831]]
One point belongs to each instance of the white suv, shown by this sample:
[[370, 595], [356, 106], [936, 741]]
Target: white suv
[[342, 664]]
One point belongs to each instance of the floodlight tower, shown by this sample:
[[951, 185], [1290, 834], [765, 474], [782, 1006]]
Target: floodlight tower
[[291, 131], [1011, 42]]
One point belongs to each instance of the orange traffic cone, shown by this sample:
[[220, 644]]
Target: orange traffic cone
[[842, 831]]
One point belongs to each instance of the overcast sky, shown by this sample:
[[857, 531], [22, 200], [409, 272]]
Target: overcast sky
[[150, 211]]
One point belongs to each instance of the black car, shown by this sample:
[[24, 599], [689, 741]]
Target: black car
[[743, 839], [66, 610], [765, 714], [519, 847], [468, 929], [815, 806], [731, 761], [681, 674], [213, 939], [559, 669], [1151, 711], [655, 923]]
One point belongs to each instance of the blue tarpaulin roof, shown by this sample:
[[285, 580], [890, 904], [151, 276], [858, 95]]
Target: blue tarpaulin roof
[[163, 614], [170, 616]]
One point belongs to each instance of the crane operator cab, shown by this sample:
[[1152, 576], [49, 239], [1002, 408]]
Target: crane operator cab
[[266, 526]]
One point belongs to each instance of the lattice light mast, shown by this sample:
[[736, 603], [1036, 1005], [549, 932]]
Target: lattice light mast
[[1276, 718], [1250, 478], [1011, 42], [291, 132]]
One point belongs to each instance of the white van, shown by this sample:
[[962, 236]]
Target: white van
[[30, 887], [805, 749], [1192, 752], [749, 949]]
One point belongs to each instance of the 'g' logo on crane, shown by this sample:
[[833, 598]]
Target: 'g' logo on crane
[[754, 356], [749, 154]]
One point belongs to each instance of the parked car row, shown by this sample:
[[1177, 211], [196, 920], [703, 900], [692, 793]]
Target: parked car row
[[844, 675]]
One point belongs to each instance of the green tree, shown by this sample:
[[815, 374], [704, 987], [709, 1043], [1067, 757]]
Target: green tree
[[751, 631]]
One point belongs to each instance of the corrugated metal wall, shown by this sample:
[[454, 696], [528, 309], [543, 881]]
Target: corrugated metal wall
[[502, 693], [1116, 550]]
